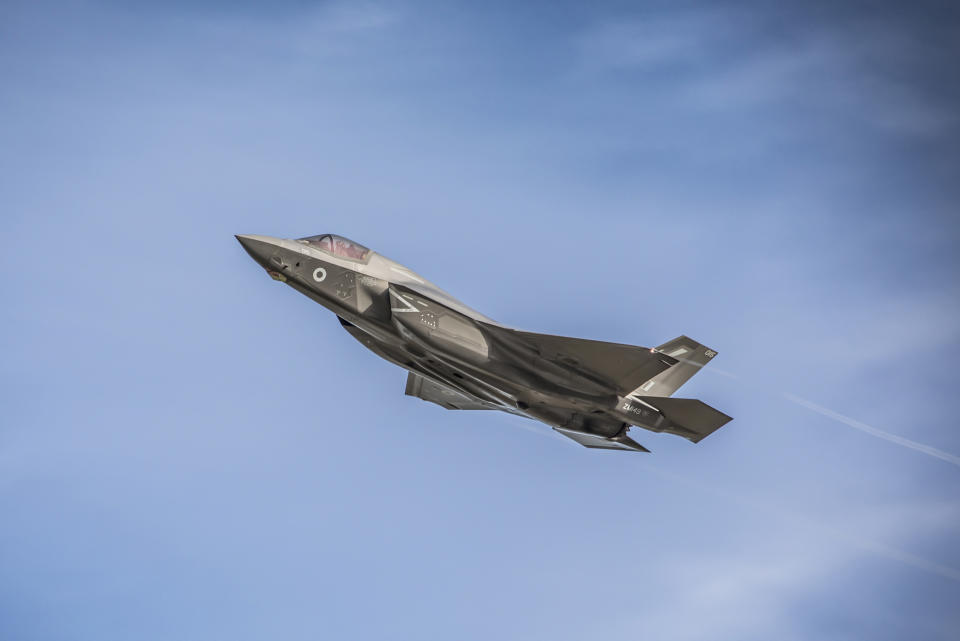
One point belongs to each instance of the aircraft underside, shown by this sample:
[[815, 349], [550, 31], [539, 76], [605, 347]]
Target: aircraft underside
[[590, 391]]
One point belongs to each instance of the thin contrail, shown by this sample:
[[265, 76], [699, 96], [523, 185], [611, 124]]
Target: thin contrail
[[875, 547], [846, 420], [887, 436]]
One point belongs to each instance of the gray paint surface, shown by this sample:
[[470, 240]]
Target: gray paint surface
[[590, 391]]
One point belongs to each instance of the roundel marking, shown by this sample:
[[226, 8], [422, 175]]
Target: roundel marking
[[319, 274]]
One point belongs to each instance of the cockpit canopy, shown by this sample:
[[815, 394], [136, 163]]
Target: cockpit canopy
[[337, 245]]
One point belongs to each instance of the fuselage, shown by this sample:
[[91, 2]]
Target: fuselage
[[409, 321]]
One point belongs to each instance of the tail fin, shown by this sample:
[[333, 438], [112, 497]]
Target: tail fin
[[691, 356]]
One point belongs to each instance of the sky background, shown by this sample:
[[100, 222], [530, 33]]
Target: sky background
[[189, 450]]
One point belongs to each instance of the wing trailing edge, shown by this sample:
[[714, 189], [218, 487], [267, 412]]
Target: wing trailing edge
[[624, 366]]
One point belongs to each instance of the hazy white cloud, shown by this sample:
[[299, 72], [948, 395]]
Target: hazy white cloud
[[355, 16], [754, 593], [339, 27], [137, 145], [879, 329], [646, 43], [723, 61]]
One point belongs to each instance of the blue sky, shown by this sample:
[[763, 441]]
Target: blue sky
[[192, 451]]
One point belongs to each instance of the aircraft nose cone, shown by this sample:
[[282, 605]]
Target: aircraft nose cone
[[246, 240], [260, 248]]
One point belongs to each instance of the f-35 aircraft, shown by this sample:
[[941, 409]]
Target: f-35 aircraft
[[589, 391]]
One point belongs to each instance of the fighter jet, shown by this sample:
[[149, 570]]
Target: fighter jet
[[590, 391]]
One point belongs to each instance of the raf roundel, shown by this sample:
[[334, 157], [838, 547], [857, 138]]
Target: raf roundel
[[319, 274]]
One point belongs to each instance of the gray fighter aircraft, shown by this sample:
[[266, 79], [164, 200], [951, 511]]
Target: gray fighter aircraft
[[590, 391]]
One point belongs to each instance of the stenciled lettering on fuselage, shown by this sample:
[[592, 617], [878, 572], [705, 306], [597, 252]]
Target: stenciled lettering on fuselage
[[638, 410]]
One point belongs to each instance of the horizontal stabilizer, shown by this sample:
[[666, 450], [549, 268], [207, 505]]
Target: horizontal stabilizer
[[688, 417], [598, 442]]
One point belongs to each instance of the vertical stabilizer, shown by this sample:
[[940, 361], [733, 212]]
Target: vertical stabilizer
[[690, 356]]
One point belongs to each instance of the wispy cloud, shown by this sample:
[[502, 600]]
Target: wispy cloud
[[465, 142], [654, 43], [339, 27], [728, 61], [754, 594], [901, 522]]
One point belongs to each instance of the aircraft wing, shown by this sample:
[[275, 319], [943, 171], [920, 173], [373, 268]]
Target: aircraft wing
[[442, 395], [625, 366]]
